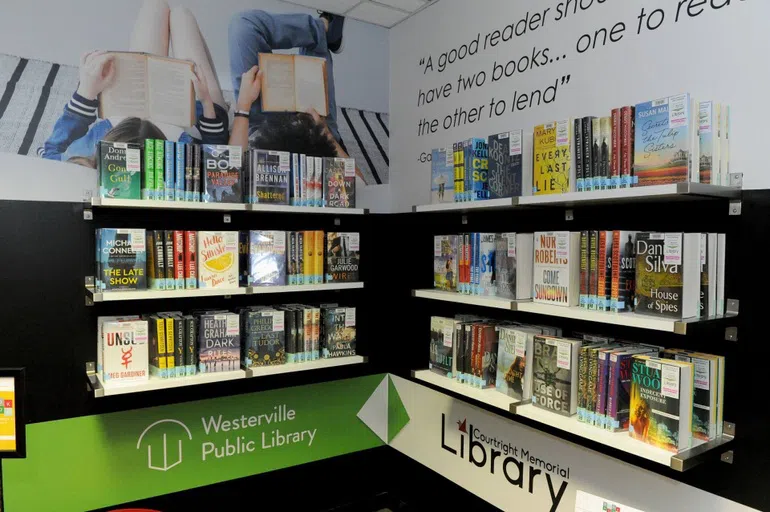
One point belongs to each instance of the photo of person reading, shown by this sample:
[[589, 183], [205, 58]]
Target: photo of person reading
[[114, 82]]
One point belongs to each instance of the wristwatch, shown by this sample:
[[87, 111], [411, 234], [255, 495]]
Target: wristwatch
[[241, 113]]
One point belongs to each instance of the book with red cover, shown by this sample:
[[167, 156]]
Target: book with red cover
[[615, 163], [190, 259], [179, 265], [627, 134]]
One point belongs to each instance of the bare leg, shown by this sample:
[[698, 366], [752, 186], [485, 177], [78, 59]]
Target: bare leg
[[151, 30], [188, 43]]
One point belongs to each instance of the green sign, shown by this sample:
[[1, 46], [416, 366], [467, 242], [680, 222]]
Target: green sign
[[99, 461]]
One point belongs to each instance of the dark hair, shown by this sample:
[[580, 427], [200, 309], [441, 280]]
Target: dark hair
[[293, 132], [131, 129]]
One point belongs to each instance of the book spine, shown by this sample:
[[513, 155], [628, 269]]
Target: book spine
[[309, 261], [303, 182], [588, 164], [179, 172], [318, 255], [170, 348], [190, 345], [294, 179], [292, 258], [196, 170], [188, 172], [307, 335], [316, 347], [179, 264], [148, 185], [591, 381], [455, 173], [190, 259], [300, 257], [601, 288], [615, 164], [580, 177], [467, 264], [610, 422], [98, 260], [601, 400], [584, 269], [169, 169], [472, 283], [582, 376], [160, 177], [615, 286], [179, 353], [593, 263], [627, 147], [160, 333], [160, 260], [168, 243]]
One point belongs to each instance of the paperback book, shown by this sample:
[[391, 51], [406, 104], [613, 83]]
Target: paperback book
[[515, 352], [513, 265], [506, 168]]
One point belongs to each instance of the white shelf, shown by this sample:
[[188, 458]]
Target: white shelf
[[299, 367], [256, 290], [459, 298], [111, 296], [153, 384], [488, 396], [104, 202], [672, 192]]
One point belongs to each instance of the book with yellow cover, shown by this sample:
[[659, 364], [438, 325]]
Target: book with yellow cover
[[318, 257], [309, 247], [552, 167], [218, 259]]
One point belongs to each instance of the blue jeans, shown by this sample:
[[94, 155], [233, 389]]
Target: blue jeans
[[253, 32]]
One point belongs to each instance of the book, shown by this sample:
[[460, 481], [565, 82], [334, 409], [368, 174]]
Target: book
[[178, 256], [441, 345], [578, 144], [615, 148], [268, 177], [188, 171], [219, 347], [552, 159], [555, 374], [486, 265], [708, 133], [342, 258], [623, 271], [724, 139], [179, 346], [309, 258], [157, 348], [318, 257], [170, 345], [156, 255], [459, 181], [120, 170], [513, 265], [668, 274], [293, 83], [442, 176], [619, 387], [339, 182], [596, 158], [148, 178], [556, 271], [100, 321], [150, 87], [222, 173], [593, 269], [264, 338], [319, 185], [485, 356], [294, 190], [588, 152], [179, 171], [300, 236], [217, 259], [190, 259], [479, 169], [515, 353], [306, 168], [663, 147], [339, 332], [445, 262], [721, 257], [661, 402], [122, 261], [316, 340], [583, 372], [627, 138], [160, 164], [708, 281], [168, 244], [584, 300], [169, 169], [266, 258], [604, 271], [190, 344], [605, 151], [124, 347]]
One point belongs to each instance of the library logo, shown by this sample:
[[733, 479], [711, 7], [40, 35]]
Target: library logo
[[171, 429]]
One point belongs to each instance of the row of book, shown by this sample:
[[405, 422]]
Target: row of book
[[676, 275], [668, 398], [138, 259], [174, 345], [669, 140], [175, 171]]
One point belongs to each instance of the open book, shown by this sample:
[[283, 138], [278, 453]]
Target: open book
[[150, 87], [293, 83]]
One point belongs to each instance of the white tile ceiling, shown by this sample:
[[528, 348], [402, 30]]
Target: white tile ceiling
[[380, 12]]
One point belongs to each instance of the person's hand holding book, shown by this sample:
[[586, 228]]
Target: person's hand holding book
[[97, 70], [251, 88]]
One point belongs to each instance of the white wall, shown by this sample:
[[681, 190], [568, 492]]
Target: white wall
[[720, 55], [60, 31]]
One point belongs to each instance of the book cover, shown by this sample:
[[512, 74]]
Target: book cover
[[442, 176], [605, 151], [661, 402], [170, 345], [709, 141], [291, 257], [148, 181], [513, 265], [339, 327], [480, 169], [615, 148], [156, 269], [580, 184], [123, 259], [339, 182], [662, 146], [557, 268], [179, 347], [318, 179], [267, 258], [506, 172], [316, 340], [179, 171], [188, 171], [160, 176], [441, 345], [268, 177], [295, 193], [445, 262], [120, 170], [588, 152], [342, 257], [604, 276], [190, 259], [168, 242], [623, 271], [306, 168], [555, 374], [125, 352], [627, 138], [487, 250], [552, 160], [585, 269], [619, 392], [705, 396], [514, 361], [219, 348], [487, 356], [222, 173], [264, 338], [217, 259], [169, 154]]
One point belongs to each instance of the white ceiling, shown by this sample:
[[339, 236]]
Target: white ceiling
[[386, 13]]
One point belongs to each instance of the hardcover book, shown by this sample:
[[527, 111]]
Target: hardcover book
[[513, 265], [264, 338], [191, 259], [219, 343], [627, 137], [661, 403], [169, 169], [442, 176], [593, 268], [148, 177], [293, 83], [585, 269], [623, 271], [266, 258], [486, 265], [125, 351], [604, 271], [515, 352], [156, 256], [268, 177], [555, 374], [588, 152], [619, 388], [445, 262], [668, 274], [578, 148], [218, 259], [122, 259], [221, 174], [179, 171], [477, 167], [339, 182], [615, 148], [339, 332], [441, 345], [552, 159], [160, 164], [708, 132], [168, 242], [120, 170], [557, 268], [342, 257], [459, 171], [605, 151]]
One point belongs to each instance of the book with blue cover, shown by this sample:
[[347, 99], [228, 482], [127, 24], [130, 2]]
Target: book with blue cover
[[339, 332], [179, 172], [267, 258], [505, 176], [477, 167], [122, 259], [442, 187], [169, 154], [219, 342]]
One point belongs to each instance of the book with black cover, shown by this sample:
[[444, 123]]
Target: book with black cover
[[339, 182], [505, 174], [264, 338], [122, 260], [342, 257], [268, 177], [339, 328], [555, 377], [222, 170], [219, 346]]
